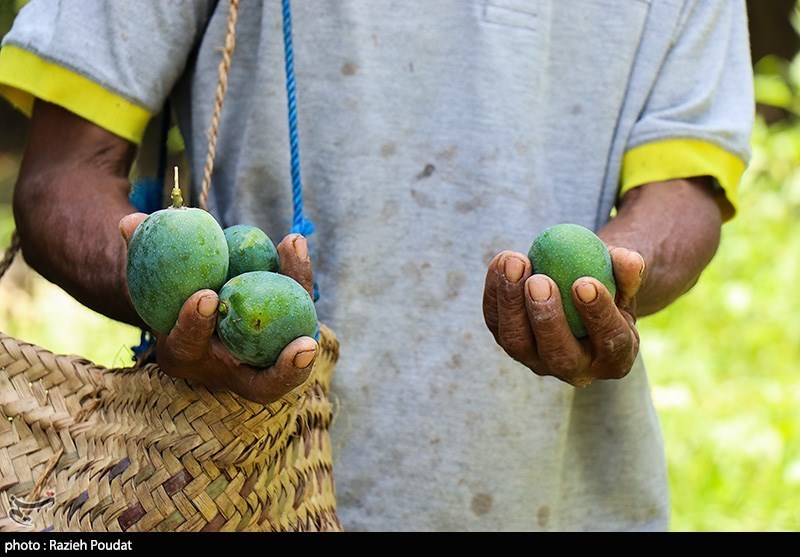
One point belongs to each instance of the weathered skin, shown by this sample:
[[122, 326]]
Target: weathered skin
[[565, 253], [172, 254], [260, 312], [250, 249]]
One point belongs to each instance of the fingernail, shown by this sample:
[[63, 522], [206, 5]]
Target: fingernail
[[513, 269], [207, 306], [301, 248], [304, 359], [539, 289], [587, 292]]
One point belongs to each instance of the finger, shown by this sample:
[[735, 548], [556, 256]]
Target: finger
[[291, 370], [190, 337], [128, 224], [490, 314], [295, 261], [613, 339], [514, 329], [629, 269], [559, 353]]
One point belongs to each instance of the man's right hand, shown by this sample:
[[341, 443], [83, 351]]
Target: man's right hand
[[193, 351]]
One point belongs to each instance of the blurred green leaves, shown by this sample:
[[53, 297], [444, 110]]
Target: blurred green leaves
[[774, 82], [8, 11], [724, 360]]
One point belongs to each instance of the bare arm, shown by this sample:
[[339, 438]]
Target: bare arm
[[71, 193], [675, 226], [74, 220]]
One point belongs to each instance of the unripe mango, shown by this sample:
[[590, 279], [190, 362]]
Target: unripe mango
[[566, 252], [250, 249], [172, 254], [260, 312]]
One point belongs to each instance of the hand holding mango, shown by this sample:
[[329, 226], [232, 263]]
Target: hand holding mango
[[261, 311], [565, 309], [176, 257]]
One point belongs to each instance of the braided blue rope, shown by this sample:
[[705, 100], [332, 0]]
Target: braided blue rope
[[300, 224]]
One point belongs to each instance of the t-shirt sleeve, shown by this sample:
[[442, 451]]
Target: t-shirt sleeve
[[113, 63], [699, 115]]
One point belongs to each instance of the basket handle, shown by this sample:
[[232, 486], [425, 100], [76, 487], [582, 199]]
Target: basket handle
[[222, 87]]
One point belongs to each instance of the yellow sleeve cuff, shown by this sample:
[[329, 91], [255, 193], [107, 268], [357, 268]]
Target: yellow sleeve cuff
[[25, 76], [684, 158]]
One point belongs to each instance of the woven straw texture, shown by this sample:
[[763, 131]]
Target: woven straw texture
[[91, 449], [85, 448]]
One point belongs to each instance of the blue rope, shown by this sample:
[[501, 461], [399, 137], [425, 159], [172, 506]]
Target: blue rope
[[300, 224], [144, 352]]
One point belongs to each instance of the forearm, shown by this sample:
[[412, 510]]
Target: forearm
[[675, 227], [71, 193]]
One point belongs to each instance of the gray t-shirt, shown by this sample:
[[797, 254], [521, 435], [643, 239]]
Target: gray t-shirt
[[434, 134]]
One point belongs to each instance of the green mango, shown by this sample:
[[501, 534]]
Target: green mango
[[566, 252], [260, 312], [172, 254], [250, 249]]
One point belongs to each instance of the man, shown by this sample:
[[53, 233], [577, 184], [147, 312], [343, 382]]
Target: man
[[438, 139]]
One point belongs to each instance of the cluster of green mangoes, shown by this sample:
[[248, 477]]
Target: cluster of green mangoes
[[179, 250]]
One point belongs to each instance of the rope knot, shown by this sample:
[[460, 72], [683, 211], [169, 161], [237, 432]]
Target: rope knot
[[304, 227]]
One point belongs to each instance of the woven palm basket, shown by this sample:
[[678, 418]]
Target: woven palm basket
[[87, 448]]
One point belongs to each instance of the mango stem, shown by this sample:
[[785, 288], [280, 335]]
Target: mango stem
[[177, 198]]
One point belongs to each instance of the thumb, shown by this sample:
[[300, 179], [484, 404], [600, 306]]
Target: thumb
[[190, 337], [128, 224], [629, 274]]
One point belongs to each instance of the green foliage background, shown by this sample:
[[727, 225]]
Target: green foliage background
[[724, 360]]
